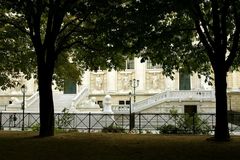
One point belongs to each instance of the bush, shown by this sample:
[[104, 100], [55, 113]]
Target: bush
[[168, 129], [186, 124], [65, 120], [113, 129], [36, 127], [192, 124]]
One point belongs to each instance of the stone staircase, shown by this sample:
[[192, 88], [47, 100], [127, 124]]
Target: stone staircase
[[60, 100], [168, 96]]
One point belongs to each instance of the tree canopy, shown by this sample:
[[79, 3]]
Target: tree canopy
[[83, 45], [192, 35]]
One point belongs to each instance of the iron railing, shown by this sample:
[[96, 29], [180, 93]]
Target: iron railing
[[143, 122]]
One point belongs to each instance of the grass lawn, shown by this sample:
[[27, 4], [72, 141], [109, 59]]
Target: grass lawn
[[104, 146]]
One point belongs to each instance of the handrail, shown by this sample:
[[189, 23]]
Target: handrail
[[28, 101], [173, 96], [32, 99], [82, 94]]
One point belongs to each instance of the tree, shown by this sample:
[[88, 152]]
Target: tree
[[61, 32], [195, 35], [217, 24], [218, 27], [20, 59]]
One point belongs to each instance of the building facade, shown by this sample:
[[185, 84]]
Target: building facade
[[186, 93]]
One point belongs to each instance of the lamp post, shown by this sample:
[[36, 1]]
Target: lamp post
[[24, 90], [130, 113], [134, 83], [230, 103]]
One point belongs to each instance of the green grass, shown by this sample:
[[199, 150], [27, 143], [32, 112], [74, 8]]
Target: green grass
[[106, 146]]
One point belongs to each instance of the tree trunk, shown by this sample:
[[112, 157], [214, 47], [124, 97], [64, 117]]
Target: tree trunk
[[221, 128], [46, 105]]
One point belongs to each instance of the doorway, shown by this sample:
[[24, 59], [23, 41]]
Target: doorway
[[190, 109]]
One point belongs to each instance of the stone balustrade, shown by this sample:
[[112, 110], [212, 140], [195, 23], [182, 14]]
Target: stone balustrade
[[167, 96], [32, 99], [80, 96]]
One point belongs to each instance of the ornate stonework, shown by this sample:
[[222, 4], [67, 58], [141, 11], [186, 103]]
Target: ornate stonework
[[98, 82], [154, 81], [123, 81]]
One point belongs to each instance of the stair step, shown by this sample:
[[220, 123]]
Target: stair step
[[61, 101]]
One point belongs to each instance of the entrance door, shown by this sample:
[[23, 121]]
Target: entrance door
[[70, 87], [190, 109], [184, 81]]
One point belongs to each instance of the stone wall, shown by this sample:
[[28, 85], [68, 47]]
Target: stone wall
[[234, 101], [202, 107]]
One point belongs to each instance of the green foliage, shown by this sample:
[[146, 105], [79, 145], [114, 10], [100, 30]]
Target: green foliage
[[85, 37], [192, 124], [35, 127], [185, 124], [65, 120], [168, 129], [16, 56], [113, 129]]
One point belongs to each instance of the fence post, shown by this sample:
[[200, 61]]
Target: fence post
[[139, 124], [232, 120], [89, 122], [28, 119], [194, 127], [213, 126], [1, 127], [131, 121], [122, 115]]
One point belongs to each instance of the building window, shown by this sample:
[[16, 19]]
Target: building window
[[130, 64], [127, 102], [121, 102], [100, 103], [150, 66], [184, 81]]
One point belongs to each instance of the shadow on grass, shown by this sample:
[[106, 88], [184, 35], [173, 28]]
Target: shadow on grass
[[109, 146]]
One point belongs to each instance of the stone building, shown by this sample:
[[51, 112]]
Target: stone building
[[150, 89]]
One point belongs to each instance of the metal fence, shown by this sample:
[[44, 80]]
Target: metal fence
[[143, 122]]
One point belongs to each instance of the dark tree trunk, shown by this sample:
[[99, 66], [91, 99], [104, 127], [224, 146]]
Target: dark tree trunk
[[221, 128], [46, 105]]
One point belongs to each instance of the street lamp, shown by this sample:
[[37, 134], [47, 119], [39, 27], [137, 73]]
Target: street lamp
[[134, 83], [24, 90], [230, 103], [131, 116]]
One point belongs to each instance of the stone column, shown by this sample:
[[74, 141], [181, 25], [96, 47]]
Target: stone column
[[112, 81], [140, 71], [169, 84]]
